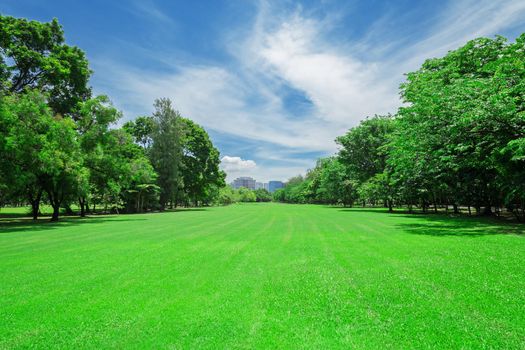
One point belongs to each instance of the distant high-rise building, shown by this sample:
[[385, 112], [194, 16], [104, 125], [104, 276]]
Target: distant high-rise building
[[274, 186], [259, 185], [265, 186], [244, 181]]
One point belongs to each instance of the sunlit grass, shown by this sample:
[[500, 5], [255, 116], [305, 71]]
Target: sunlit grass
[[262, 276]]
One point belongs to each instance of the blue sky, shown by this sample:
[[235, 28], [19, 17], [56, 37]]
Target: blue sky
[[273, 82]]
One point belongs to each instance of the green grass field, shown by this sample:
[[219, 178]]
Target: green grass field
[[263, 276]]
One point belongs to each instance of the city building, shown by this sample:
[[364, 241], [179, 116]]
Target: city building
[[274, 186], [259, 185], [244, 181]]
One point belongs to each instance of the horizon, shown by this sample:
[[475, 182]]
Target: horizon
[[272, 83]]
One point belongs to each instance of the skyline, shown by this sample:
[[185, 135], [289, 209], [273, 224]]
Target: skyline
[[273, 83]]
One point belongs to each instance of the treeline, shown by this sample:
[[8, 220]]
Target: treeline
[[228, 195], [60, 145], [457, 142]]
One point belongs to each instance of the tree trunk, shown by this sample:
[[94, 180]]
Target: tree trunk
[[82, 204], [469, 211], [390, 207], [34, 208], [456, 209], [137, 205], [55, 199], [35, 203], [56, 210]]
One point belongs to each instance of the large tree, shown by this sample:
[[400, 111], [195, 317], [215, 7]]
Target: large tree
[[461, 111], [43, 150], [104, 165], [200, 162], [363, 148], [166, 151], [33, 55]]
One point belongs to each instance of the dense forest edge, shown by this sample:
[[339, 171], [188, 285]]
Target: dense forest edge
[[457, 143]]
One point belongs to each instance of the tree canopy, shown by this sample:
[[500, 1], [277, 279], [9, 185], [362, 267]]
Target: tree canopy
[[62, 146]]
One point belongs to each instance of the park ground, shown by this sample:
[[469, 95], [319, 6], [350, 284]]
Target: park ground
[[263, 276]]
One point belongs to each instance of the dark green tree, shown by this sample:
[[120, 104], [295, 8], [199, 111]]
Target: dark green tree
[[166, 151], [33, 55]]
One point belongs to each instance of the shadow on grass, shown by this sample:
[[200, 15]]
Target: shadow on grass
[[185, 210], [396, 211], [15, 222], [441, 224], [14, 215], [464, 226], [43, 224]]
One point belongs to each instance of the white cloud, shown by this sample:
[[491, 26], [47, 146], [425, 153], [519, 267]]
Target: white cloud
[[342, 88], [236, 164], [283, 49]]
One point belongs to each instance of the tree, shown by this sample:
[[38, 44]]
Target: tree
[[245, 195], [226, 196], [279, 195], [141, 129], [33, 56], [166, 151], [104, 167], [44, 150], [461, 111], [141, 191], [335, 185], [262, 195], [200, 163], [363, 151]]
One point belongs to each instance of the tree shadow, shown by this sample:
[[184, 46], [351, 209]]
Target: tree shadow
[[441, 225], [369, 210], [12, 225], [403, 211], [185, 210], [14, 215]]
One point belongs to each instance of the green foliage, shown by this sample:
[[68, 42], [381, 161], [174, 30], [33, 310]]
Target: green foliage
[[363, 148], [262, 195], [166, 151], [327, 183], [33, 55], [42, 150], [61, 146], [200, 163], [463, 111], [227, 196], [456, 141], [245, 195], [141, 129]]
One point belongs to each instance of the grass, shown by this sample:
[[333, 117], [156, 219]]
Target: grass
[[263, 276]]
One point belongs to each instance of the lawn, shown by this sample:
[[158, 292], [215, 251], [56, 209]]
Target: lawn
[[263, 276]]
